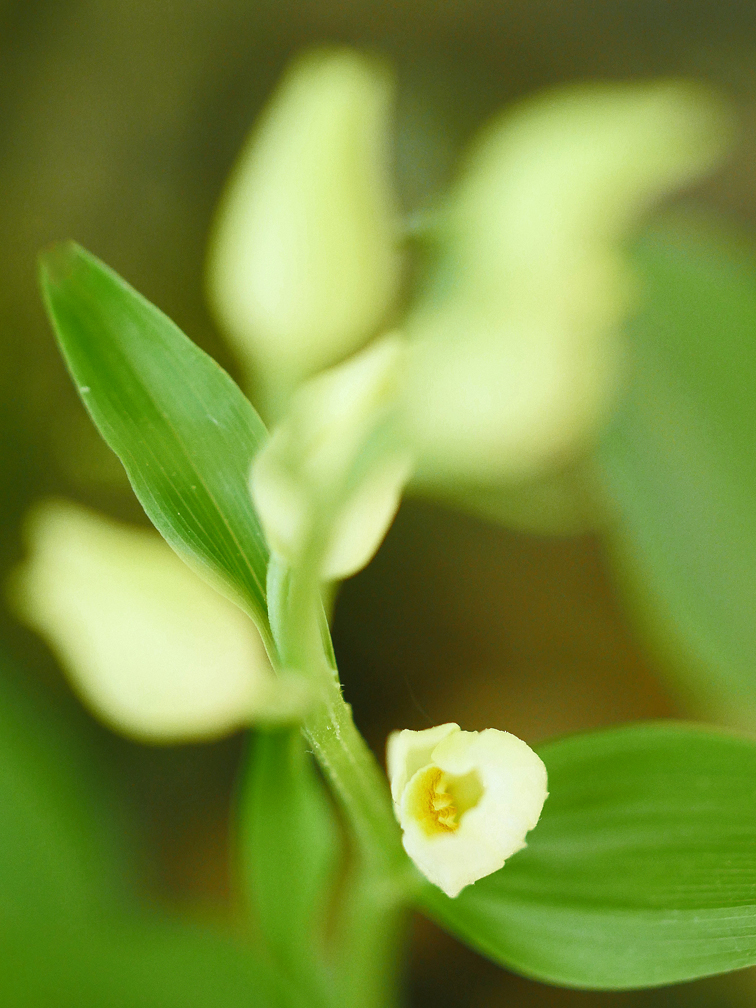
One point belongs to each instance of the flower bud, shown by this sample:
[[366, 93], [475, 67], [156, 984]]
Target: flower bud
[[464, 800], [514, 352], [152, 649], [304, 266], [328, 482]]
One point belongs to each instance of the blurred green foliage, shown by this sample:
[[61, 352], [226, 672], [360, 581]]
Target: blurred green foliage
[[289, 847], [119, 121], [679, 460], [70, 928]]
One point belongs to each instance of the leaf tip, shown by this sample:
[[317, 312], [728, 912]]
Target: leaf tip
[[57, 262]]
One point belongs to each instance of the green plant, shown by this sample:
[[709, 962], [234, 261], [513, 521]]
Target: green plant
[[491, 389]]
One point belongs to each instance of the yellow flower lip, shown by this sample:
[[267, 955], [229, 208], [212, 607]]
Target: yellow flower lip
[[464, 800], [439, 800]]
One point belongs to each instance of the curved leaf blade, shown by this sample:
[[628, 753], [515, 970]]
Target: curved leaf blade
[[679, 462], [641, 872], [182, 428]]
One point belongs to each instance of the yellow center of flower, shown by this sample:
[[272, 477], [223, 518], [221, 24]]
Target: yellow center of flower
[[438, 800], [441, 807]]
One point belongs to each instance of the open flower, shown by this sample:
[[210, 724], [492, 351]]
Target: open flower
[[464, 800]]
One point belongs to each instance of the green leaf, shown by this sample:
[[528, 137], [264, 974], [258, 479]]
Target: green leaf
[[135, 964], [680, 460], [69, 933], [58, 844], [164, 964], [642, 870], [183, 430], [289, 847]]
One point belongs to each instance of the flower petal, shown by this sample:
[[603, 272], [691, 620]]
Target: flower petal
[[332, 473], [408, 751], [152, 649]]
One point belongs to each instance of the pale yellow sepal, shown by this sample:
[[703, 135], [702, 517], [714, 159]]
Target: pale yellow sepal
[[154, 651], [514, 356], [465, 800], [328, 482], [303, 263]]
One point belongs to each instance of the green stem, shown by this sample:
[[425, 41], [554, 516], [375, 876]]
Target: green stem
[[380, 877]]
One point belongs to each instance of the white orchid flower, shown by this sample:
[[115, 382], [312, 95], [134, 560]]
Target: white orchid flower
[[152, 650], [515, 350], [464, 800]]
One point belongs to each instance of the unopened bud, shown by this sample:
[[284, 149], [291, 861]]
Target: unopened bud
[[304, 265], [328, 482], [153, 650], [514, 352]]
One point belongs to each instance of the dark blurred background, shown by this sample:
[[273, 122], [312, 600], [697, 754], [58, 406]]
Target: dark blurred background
[[119, 120]]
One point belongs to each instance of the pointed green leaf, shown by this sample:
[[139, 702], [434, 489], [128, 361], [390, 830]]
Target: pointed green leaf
[[183, 430], [680, 461], [642, 870]]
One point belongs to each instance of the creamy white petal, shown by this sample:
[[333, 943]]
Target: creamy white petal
[[331, 475], [150, 647], [304, 261], [408, 751], [522, 335]]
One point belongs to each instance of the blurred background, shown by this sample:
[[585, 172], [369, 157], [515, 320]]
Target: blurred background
[[119, 122]]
